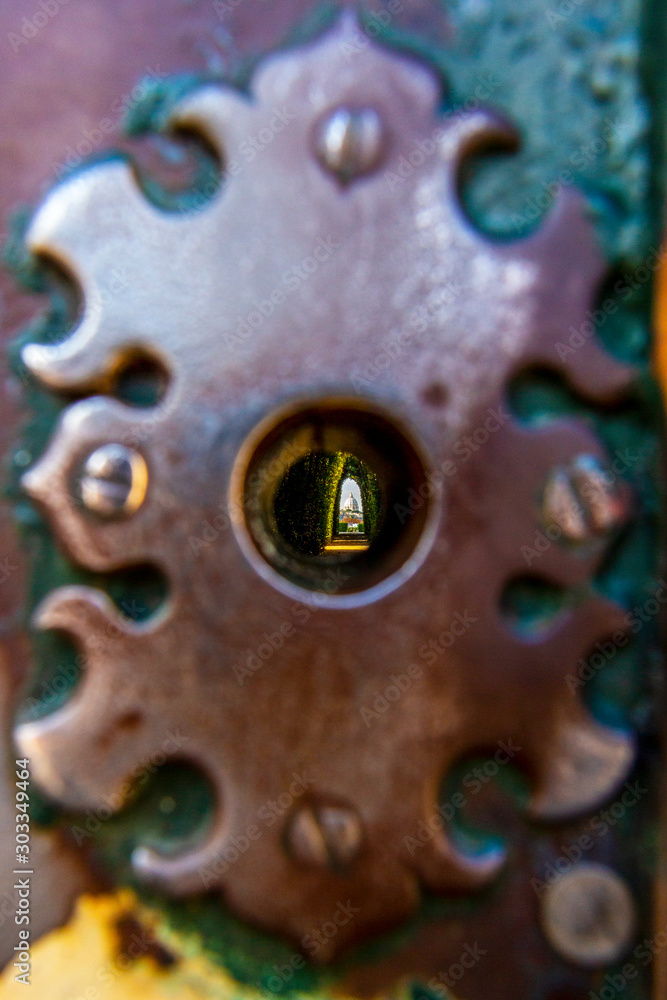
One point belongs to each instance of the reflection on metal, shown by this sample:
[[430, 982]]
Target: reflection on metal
[[114, 480], [588, 915], [257, 300], [583, 499], [349, 142], [328, 836]]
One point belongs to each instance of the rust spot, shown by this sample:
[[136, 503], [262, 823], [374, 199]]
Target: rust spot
[[136, 941], [435, 394]]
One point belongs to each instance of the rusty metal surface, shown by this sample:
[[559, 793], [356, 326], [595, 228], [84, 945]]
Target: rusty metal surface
[[62, 873], [60, 82], [78, 71], [387, 253], [83, 68]]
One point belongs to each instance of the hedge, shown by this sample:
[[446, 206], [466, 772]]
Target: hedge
[[308, 499]]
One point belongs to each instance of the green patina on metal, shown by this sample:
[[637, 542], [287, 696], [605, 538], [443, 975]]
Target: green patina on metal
[[575, 78]]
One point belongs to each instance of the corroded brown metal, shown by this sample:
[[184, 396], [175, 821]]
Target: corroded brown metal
[[61, 872], [60, 83], [395, 260]]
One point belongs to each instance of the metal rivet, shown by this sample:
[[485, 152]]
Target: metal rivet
[[114, 480], [325, 836], [588, 915], [349, 142], [582, 500], [562, 507], [599, 493]]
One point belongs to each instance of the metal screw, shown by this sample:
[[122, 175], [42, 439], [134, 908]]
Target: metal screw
[[114, 480], [604, 505], [349, 142], [325, 836], [588, 915], [582, 500]]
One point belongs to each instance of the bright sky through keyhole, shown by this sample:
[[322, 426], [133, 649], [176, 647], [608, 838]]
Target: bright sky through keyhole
[[349, 486]]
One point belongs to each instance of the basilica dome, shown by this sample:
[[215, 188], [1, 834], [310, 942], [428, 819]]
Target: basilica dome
[[351, 505]]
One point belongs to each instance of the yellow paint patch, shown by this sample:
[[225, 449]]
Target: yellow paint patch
[[82, 962]]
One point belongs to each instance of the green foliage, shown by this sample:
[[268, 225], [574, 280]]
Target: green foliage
[[342, 527], [308, 499], [367, 482], [305, 501]]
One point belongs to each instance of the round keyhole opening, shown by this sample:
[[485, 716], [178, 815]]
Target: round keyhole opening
[[335, 499]]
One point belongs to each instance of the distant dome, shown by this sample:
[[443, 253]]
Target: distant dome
[[351, 504]]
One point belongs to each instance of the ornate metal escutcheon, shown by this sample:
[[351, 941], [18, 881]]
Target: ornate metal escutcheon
[[331, 295]]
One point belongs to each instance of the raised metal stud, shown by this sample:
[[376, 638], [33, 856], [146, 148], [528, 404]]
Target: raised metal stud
[[114, 480], [588, 915], [562, 507], [599, 493], [583, 500], [325, 836], [349, 142]]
